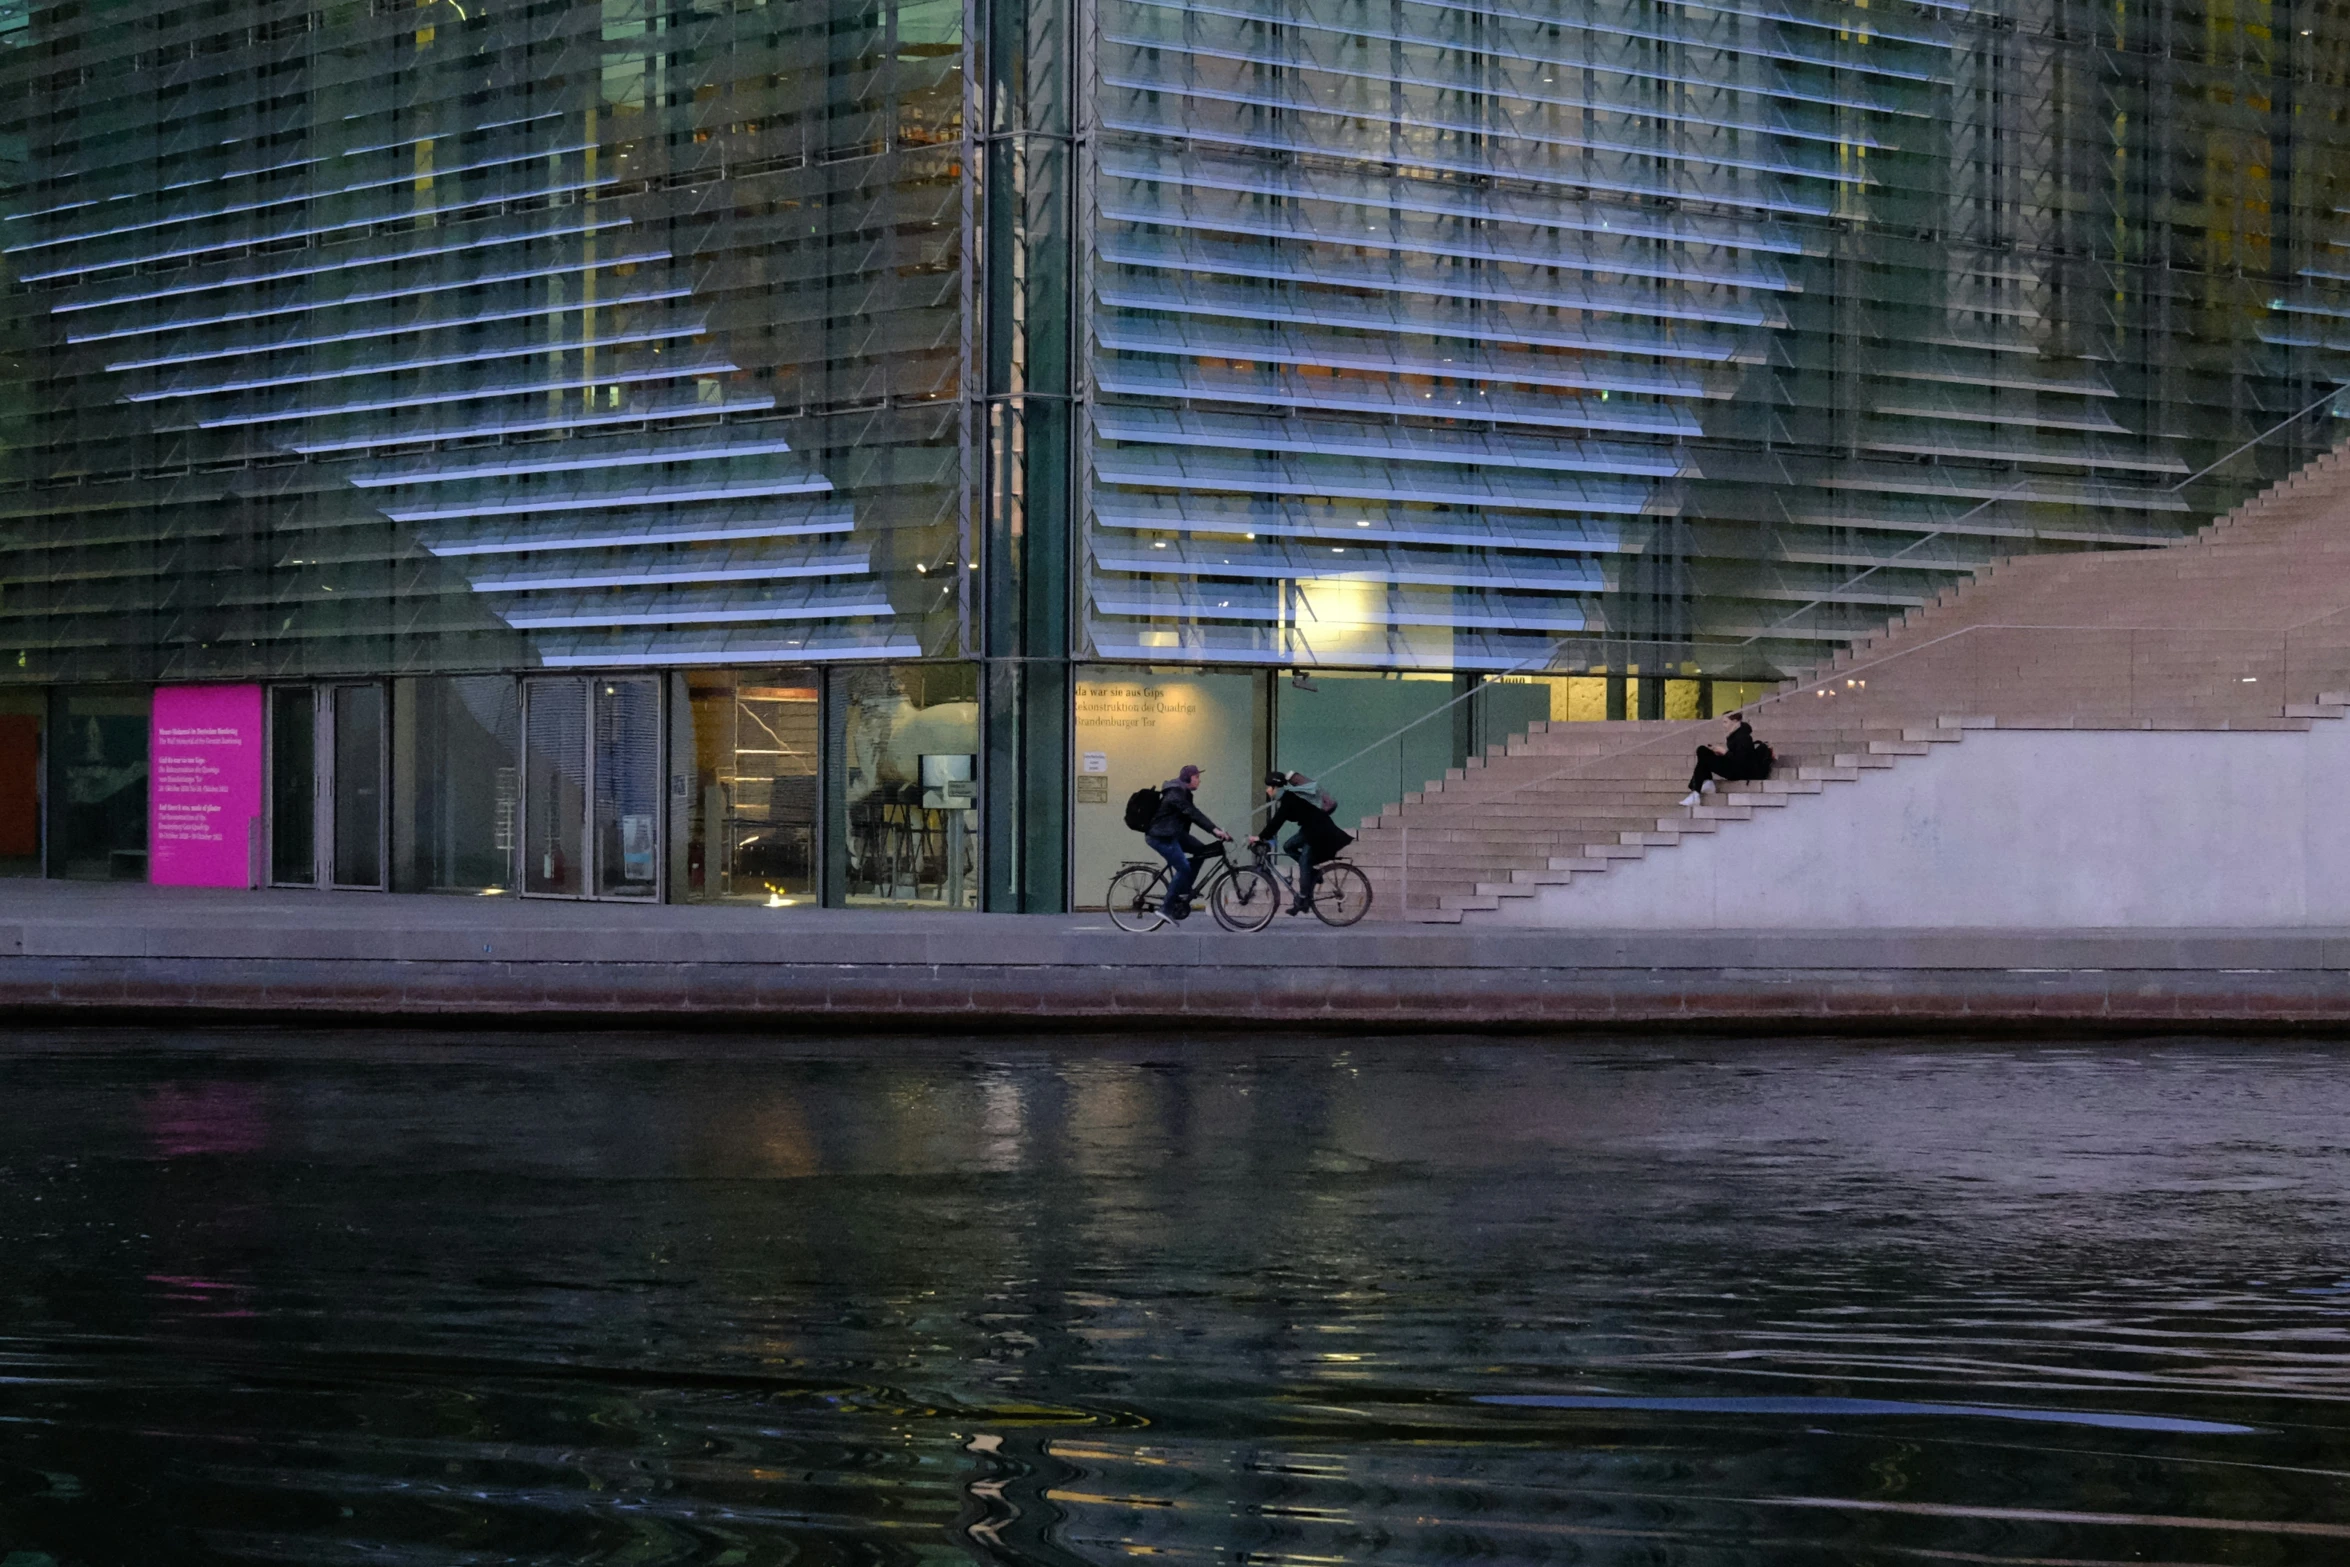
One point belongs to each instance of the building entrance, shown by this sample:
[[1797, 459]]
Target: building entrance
[[328, 757], [591, 787]]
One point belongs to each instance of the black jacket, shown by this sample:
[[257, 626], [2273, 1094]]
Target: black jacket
[[1177, 808], [1313, 824], [1741, 747]]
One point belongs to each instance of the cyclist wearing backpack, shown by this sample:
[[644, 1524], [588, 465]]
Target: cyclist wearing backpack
[[1299, 802], [1169, 832]]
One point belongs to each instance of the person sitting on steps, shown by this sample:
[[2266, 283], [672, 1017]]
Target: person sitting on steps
[[1741, 759], [1170, 834], [1298, 803]]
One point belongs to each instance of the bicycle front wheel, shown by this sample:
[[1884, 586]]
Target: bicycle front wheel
[[1342, 894], [1245, 899], [1134, 898]]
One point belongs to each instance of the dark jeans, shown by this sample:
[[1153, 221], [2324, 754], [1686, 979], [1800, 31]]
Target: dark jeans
[[1303, 852], [1713, 764], [1184, 856]]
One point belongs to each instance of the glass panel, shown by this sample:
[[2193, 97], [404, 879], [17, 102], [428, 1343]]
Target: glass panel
[[359, 795], [910, 737], [454, 747], [98, 786], [1369, 739], [753, 813], [554, 787], [293, 786], [1507, 705], [1140, 727], [628, 788], [20, 783]]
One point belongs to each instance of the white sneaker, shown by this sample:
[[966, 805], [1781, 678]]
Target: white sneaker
[[1706, 787], [1692, 798]]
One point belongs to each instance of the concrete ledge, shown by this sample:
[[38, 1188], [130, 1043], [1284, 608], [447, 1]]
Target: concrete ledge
[[158, 955]]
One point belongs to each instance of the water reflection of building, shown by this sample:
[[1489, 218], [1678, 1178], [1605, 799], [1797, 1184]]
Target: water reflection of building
[[1493, 365]]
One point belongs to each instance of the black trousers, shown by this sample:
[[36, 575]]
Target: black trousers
[[1713, 764]]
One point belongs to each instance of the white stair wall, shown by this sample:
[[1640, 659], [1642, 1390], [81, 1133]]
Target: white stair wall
[[2109, 828]]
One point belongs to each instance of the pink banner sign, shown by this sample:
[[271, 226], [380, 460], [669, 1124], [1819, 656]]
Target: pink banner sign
[[204, 789]]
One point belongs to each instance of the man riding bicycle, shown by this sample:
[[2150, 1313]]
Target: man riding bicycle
[[1298, 803], [1170, 835]]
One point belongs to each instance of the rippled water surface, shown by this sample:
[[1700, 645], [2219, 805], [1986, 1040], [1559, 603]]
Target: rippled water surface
[[1283, 1301]]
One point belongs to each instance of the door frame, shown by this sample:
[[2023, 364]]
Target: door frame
[[591, 836], [322, 785]]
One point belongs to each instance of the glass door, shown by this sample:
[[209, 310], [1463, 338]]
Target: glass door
[[554, 787], [327, 760], [293, 786], [357, 792]]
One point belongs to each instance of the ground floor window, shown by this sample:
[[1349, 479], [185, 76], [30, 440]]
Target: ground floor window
[[907, 740], [23, 721], [1135, 729], [456, 783], [752, 818], [98, 784]]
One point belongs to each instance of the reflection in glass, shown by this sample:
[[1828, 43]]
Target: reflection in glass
[[628, 787], [293, 786], [753, 821], [98, 786], [554, 781], [910, 738], [454, 745], [359, 817]]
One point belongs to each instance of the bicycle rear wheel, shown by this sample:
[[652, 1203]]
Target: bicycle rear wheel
[[1245, 898], [1342, 894], [1134, 898]]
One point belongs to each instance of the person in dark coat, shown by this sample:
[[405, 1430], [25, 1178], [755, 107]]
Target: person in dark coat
[[1170, 834], [1742, 757], [1295, 804]]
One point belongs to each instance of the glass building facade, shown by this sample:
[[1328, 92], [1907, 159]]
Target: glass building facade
[[794, 449]]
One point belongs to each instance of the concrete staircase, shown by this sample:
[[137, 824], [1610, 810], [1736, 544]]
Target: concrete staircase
[[2244, 626]]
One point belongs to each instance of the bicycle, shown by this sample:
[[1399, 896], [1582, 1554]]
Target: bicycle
[[1342, 893], [1340, 889], [1234, 893]]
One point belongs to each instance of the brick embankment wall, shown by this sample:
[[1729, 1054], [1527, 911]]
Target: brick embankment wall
[[1951, 982]]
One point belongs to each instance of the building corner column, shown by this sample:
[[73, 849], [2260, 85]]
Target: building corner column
[[1025, 413]]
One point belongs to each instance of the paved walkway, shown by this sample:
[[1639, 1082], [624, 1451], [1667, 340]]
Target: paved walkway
[[120, 950]]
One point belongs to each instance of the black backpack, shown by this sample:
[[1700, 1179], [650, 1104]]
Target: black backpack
[[1142, 809]]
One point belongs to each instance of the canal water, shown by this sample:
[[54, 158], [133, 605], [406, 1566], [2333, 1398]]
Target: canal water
[[1287, 1300]]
